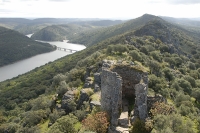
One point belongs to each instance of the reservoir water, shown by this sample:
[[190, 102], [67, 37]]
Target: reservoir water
[[23, 66]]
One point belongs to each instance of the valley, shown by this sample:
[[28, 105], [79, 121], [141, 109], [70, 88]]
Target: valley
[[137, 76]]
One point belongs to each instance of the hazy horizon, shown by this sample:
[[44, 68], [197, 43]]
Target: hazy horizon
[[103, 9]]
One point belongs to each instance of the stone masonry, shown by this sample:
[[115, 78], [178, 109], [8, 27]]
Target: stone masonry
[[118, 82]]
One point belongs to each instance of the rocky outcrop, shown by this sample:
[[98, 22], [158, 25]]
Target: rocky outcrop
[[153, 99], [97, 82], [88, 71], [83, 97], [67, 100], [88, 83]]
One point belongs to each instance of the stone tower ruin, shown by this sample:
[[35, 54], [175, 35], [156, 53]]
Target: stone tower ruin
[[122, 85]]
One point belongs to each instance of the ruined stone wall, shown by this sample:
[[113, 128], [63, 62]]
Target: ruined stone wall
[[140, 108], [111, 94], [130, 78], [121, 81]]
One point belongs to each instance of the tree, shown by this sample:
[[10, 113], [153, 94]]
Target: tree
[[191, 80], [196, 94], [156, 83], [156, 55], [178, 61], [174, 123], [185, 85], [168, 74], [164, 48], [154, 67]]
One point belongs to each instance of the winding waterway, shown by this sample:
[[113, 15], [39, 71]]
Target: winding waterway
[[23, 66]]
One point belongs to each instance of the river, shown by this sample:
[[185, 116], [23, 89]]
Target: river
[[26, 65]]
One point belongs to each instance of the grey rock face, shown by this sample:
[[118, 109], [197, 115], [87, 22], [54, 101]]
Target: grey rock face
[[97, 78], [111, 94], [141, 101], [97, 82], [96, 88], [83, 97], [88, 82], [88, 71], [67, 98]]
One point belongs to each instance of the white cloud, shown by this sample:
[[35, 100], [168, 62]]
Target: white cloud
[[98, 8]]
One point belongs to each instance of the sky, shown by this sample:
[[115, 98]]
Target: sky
[[113, 9]]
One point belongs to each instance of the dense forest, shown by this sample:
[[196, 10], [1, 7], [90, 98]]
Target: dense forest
[[14, 46], [30, 103]]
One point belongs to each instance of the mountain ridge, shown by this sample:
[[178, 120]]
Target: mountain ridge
[[62, 92]]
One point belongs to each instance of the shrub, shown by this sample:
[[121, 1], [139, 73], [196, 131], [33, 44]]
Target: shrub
[[156, 55], [66, 124], [161, 108], [164, 48], [97, 122], [168, 74], [156, 83], [140, 127], [135, 55], [191, 80], [117, 48], [80, 114]]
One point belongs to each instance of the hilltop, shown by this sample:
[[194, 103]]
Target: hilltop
[[67, 91], [94, 36], [14, 46]]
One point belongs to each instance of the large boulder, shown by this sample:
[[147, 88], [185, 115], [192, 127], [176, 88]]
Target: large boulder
[[88, 82], [84, 96], [68, 103]]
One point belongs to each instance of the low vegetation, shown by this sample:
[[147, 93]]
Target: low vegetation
[[174, 72]]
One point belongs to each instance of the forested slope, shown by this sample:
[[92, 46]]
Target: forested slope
[[168, 53], [94, 36], [15, 46], [59, 32]]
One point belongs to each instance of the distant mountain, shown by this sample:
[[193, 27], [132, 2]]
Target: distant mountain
[[59, 32], [182, 21], [28, 26], [14, 46], [99, 22], [98, 35]]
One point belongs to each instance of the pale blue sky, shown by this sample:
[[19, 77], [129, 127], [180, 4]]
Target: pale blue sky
[[121, 9]]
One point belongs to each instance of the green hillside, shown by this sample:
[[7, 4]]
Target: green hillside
[[178, 38], [15, 46], [94, 36], [170, 54], [28, 26], [59, 32], [71, 30]]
